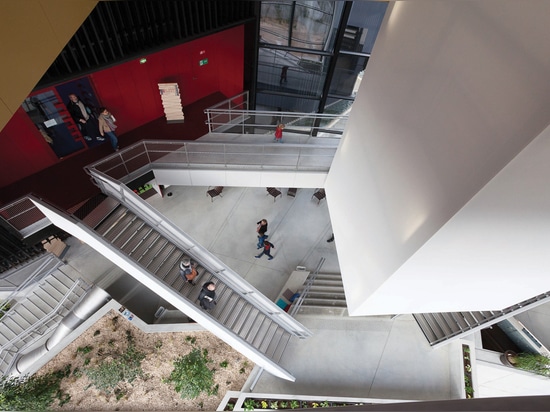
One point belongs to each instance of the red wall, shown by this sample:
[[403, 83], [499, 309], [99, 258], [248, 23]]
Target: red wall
[[23, 149], [130, 90], [131, 93]]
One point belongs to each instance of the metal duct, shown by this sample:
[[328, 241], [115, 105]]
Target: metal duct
[[93, 300]]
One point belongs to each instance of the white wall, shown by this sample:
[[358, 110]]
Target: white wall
[[452, 92], [240, 178]]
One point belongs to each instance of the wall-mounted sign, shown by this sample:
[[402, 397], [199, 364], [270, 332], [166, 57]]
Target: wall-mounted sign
[[203, 62]]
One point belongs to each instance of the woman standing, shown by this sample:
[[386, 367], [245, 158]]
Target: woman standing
[[107, 126]]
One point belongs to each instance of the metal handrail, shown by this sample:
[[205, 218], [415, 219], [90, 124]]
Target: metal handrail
[[199, 253], [297, 304], [261, 122], [31, 279], [142, 156], [4, 349]]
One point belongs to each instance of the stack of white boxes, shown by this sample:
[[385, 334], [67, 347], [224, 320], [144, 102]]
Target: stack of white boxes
[[171, 101]]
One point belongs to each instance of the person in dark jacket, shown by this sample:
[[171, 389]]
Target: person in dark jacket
[[82, 116], [207, 295], [267, 248]]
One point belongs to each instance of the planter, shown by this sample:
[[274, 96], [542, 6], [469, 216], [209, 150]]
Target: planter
[[508, 358], [468, 377]]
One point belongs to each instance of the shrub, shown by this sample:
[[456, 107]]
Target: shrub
[[533, 362], [34, 393], [191, 375], [124, 367]]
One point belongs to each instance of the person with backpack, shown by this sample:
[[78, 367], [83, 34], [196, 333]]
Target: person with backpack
[[207, 296], [267, 248], [188, 271]]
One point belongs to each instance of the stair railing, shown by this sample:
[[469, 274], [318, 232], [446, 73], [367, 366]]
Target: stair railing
[[35, 276], [297, 304], [215, 266], [34, 328]]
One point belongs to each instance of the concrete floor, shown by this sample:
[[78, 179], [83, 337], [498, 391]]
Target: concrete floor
[[374, 357]]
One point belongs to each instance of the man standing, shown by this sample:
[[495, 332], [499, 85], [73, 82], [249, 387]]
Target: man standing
[[107, 126], [82, 116]]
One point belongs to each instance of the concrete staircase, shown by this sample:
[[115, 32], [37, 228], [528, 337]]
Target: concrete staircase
[[325, 295], [41, 309], [141, 242], [441, 328]]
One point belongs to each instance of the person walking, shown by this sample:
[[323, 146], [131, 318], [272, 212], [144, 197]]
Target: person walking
[[284, 71], [267, 248], [279, 133], [261, 240], [207, 296], [261, 227], [107, 126], [83, 117], [188, 271]]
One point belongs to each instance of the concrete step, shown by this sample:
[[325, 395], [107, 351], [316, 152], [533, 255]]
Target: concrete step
[[322, 302], [315, 288]]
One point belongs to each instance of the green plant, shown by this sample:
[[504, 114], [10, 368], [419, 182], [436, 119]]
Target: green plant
[[325, 404], [124, 367], [263, 404], [224, 364], [294, 404], [84, 349], [283, 404], [243, 369], [190, 339], [249, 404], [191, 375], [33, 392], [314, 404], [4, 308], [533, 362], [274, 405]]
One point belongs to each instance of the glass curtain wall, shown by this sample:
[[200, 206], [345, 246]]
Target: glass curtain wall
[[312, 54]]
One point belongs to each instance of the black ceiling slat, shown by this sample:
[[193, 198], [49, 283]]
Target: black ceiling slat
[[132, 29], [202, 15], [106, 20], [71, 48], [98, 39], [81, 50], [116, 31], [190, 18], [165, 22], [156, 23], [122, 33], [175, 12], [65, 62], [92, 47]]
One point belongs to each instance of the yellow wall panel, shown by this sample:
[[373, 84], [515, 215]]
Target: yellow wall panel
[[32, 34]]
